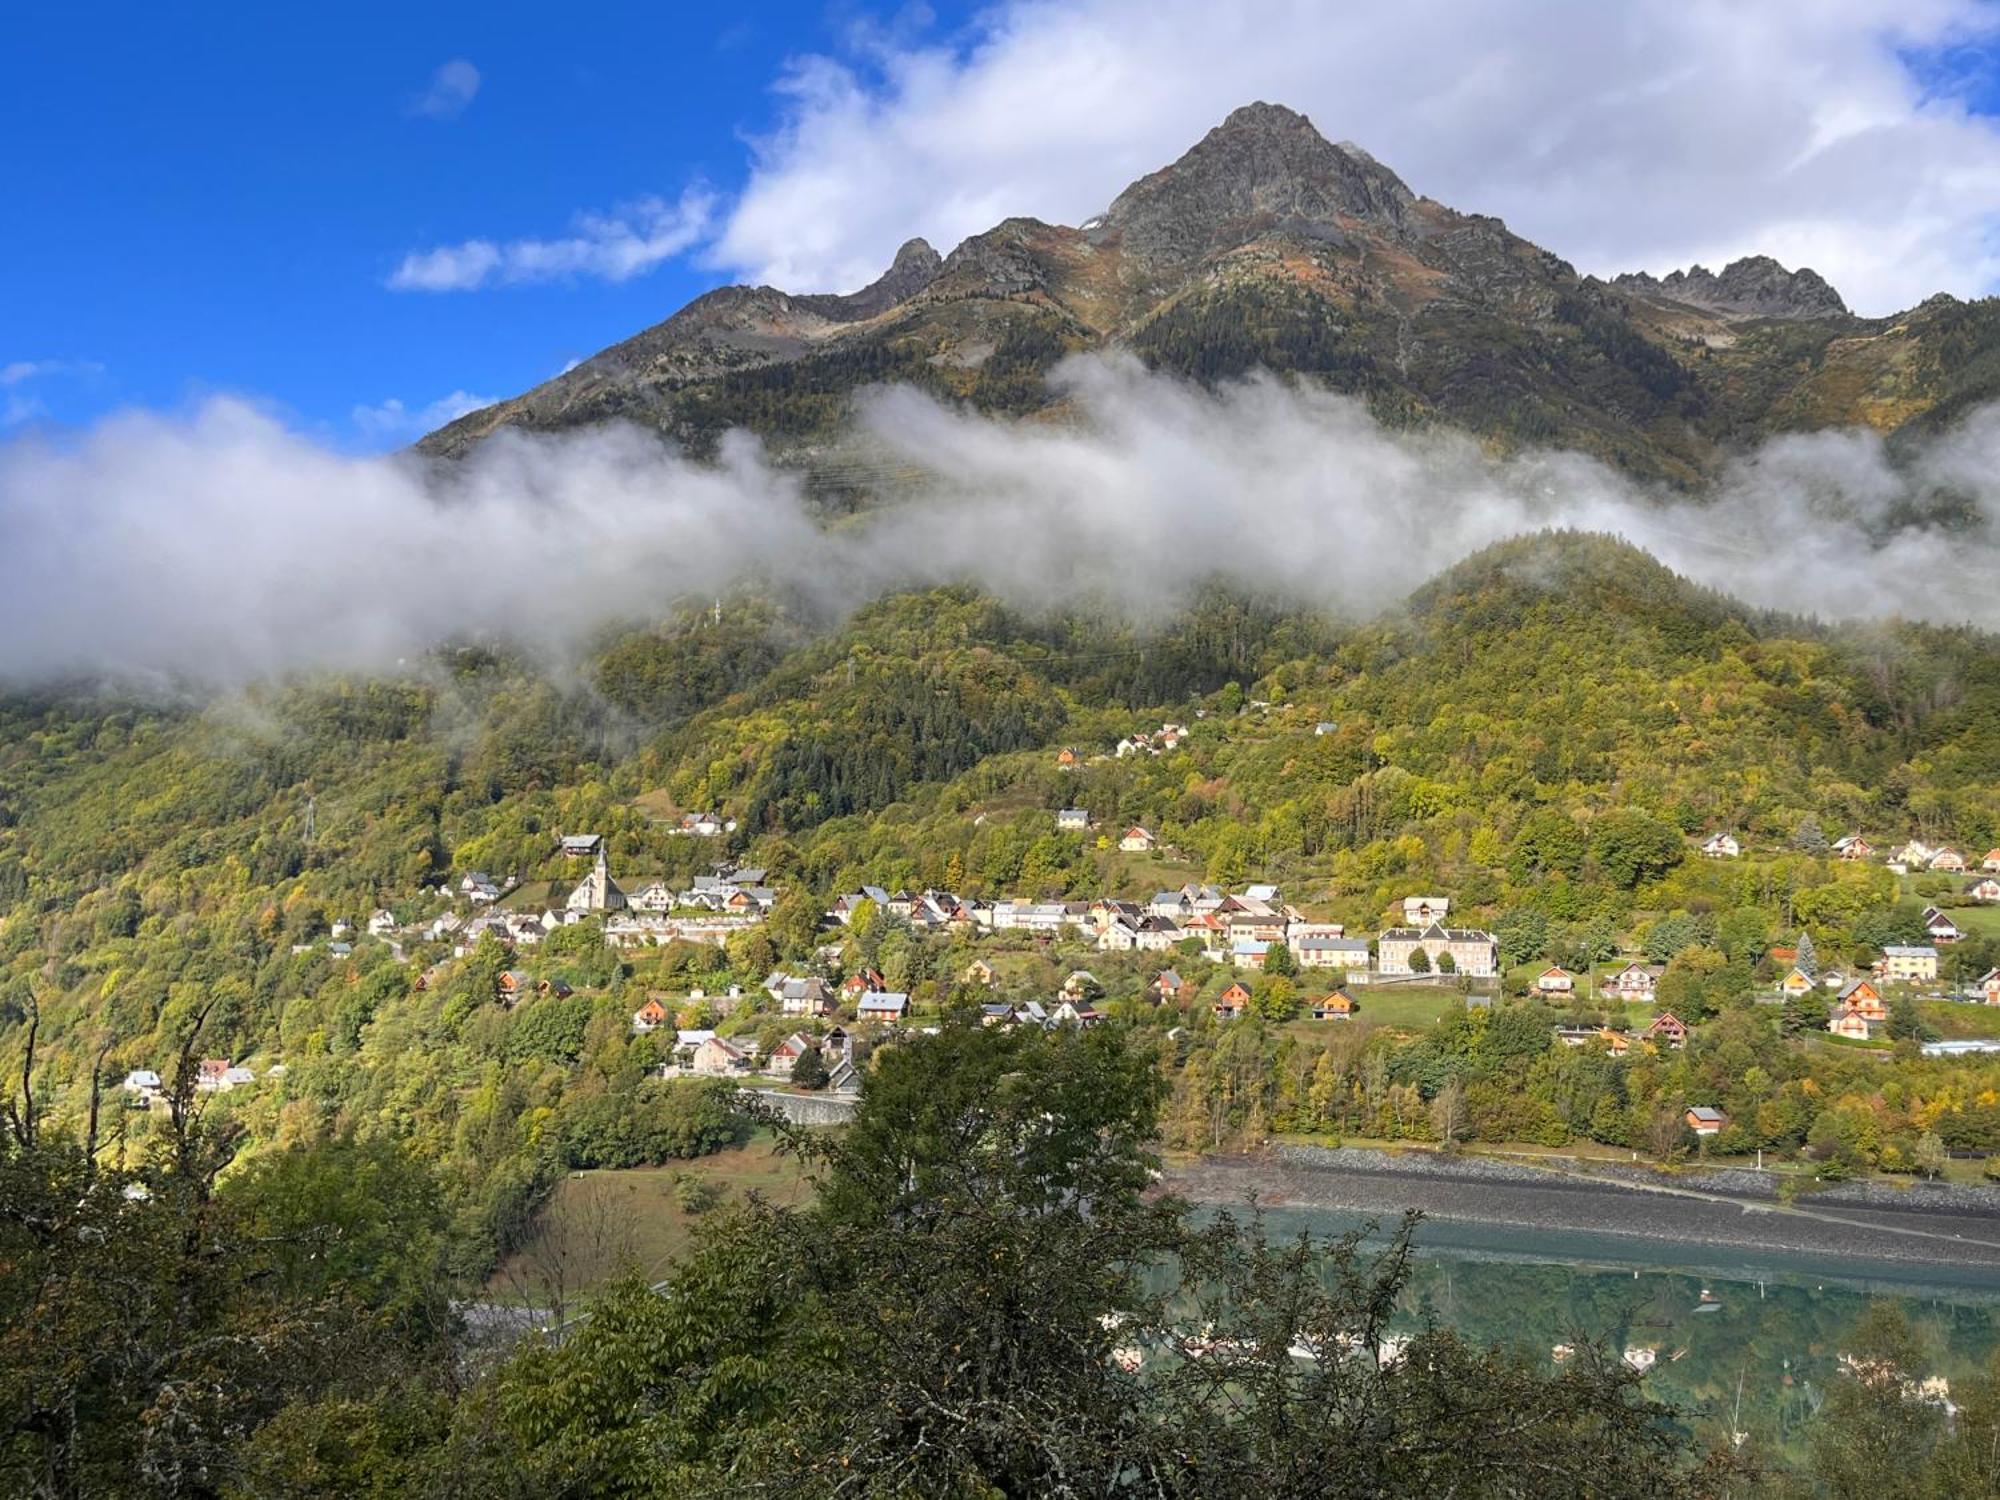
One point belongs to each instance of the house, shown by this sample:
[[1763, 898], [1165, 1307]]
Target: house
[[1668, 1029], [1073, 820], [1232, 1003], [1985, 890], [1167, 986], [1853, 846], [1257, 926], [883, 1005], [979, 971], [477, 889], [1350, 954], [1421, 911], [1796, 982], [1155, 934], [1989, 986], [513, 984], [1325, 726], [1080, 984], [655, 897], [1915, 854], [210, 1075], [1616, 1042], [1636, 981], [1249, 953], [807, 997], [1136, 840], [1472, 952], [1339, 1006], [789, 1051], [649, 1017], [703, 825], [854, 986], [1911, 964], [1069, 1013], [1938, 927], [1991, 863], [1705, 1121], [1555, 981], [717, 1057], [381, 923], [1851, 1024], [1949, 860], [581, 845], [237, 1076], [1066, 759], [1861, 997], [144, 1086], [1722, 846]]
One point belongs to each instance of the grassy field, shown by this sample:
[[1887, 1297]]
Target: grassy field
[[1984, 921], [1413, 1009], [1957, 1022], [597, 1224]]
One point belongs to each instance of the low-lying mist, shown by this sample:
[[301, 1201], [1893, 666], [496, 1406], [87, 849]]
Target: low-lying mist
[[220, 547]]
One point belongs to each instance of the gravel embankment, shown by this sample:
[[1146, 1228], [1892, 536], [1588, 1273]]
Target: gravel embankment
[[1733, 1209]]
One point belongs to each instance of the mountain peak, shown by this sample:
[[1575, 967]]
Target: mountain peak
[[1264, 169], [1755, 286]]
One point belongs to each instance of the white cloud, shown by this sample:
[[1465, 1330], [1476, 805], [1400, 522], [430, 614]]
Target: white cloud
[[612, 247], [392, 422], [218, 546], [1639, 136], [451, 88]]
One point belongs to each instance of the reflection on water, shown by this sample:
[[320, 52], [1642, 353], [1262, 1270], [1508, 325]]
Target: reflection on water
[[1737, 1346]]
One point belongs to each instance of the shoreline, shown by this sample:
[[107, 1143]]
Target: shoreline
[[1955, 1229]]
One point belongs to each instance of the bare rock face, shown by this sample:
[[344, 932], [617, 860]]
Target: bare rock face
[[916, 266], [1753, 287], [1264, 169], [1268, 246]]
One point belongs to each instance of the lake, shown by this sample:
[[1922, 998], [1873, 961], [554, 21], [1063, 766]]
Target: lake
[[1771, 1328]]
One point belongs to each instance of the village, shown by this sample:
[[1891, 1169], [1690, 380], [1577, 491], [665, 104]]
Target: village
[[1241, 934]]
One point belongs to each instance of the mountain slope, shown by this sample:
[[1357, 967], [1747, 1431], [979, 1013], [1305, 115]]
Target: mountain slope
[[1267, 245]]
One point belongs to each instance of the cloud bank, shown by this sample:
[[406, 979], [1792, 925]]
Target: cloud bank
[[221, 547], [1640, 136], [610, 247]]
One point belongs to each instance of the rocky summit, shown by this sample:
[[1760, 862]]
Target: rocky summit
[[1268, 246], [1754, 287]]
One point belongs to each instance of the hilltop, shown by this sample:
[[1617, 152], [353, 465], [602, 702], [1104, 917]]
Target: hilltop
[[1267, 245]]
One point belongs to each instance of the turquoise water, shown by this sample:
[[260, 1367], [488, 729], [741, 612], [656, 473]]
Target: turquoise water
[[1739, 1345]]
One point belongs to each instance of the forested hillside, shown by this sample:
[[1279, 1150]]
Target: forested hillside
[[1544, 733]]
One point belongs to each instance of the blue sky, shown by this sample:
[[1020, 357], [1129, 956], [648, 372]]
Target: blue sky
[[203, 203], [213, 201]]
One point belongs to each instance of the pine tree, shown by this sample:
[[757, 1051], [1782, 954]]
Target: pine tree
[[1808, 837], [1793, 1019], [1808, 959]]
